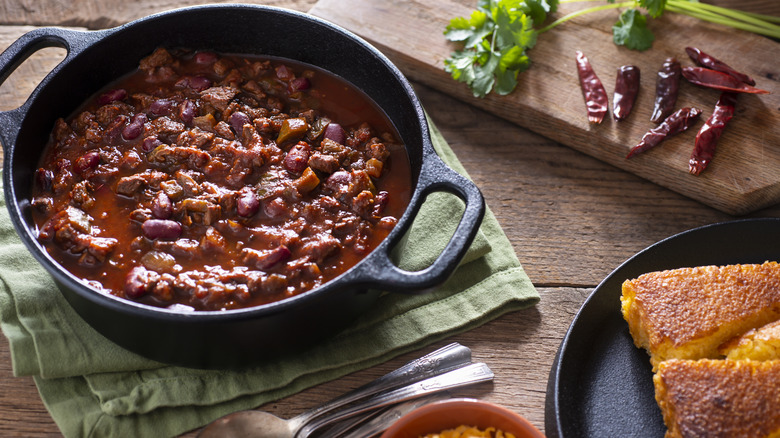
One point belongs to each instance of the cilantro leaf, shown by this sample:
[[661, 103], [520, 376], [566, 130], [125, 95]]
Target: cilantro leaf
[[654, 7], [484, 77], [461, 66], [538, 9], [525, 35], [469, 31], [514, 59], [506, 81], [494, 41], [631, 31]]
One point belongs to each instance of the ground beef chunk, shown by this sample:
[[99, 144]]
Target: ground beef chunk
[[72, 230], [130, 185], [323, 162], [158, 58], [219, 97]]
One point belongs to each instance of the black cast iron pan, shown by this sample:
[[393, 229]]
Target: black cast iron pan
[[236, 337]]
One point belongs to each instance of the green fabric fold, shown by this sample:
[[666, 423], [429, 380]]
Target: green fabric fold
[[94, 388]]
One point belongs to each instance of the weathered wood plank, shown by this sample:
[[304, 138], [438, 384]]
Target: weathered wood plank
[[97, 14], [572, 219], [548, 100]]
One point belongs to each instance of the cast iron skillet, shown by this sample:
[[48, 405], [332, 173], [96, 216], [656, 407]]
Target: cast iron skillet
[[601, 384], [236, 337]]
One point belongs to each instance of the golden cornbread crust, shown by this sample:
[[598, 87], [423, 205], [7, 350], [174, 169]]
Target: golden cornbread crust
[[719, 398], [688, 313]]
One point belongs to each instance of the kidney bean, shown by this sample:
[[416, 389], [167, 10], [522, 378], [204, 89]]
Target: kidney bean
[[112, 96], [199, 83], [138, 282], [299, 84], [196, 83], [335, 132], [164, 229], [247, 203], [338, 180], [150, 143], [90, 160], [205, 58], [162, 207], [297, 158], [187, 112], [237, 121], [161, 107], [135, 127], [45, 178]]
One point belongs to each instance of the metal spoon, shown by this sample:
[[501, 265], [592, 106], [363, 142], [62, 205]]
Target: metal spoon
[[444, 359], [245, 424], [375, 423], [467, 375]]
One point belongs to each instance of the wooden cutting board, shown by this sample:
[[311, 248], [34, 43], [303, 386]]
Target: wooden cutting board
[[743, 177]]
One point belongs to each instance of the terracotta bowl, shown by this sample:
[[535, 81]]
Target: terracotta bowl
[[449, 414]]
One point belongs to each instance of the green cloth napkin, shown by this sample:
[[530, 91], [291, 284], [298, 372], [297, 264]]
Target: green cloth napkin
[[95, 388]]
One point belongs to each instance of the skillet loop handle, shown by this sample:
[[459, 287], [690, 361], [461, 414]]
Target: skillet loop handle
[[435, 176], [71, 40]]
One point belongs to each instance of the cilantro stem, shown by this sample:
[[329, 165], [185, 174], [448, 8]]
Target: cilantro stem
[[761, 28], [759, 19], [583, 12]]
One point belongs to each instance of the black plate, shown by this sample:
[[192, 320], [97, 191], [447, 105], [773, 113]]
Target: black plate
[[601, 384]]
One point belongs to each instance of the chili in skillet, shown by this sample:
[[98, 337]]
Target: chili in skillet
[[207, 181]]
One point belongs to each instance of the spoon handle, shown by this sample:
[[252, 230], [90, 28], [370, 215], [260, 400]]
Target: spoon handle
[[444, 359], [379, 422], [470, 374]]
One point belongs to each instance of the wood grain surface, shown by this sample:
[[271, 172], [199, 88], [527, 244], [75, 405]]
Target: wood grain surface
[[741, 178], [571, 219]]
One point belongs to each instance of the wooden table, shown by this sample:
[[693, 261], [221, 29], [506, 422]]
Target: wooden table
[[571, 219]]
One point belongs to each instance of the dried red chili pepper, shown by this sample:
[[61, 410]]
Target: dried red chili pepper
[[626, 89], [593, 90], [667, 86], [706, 60], [676, 123], [708, 135], [718, 80]]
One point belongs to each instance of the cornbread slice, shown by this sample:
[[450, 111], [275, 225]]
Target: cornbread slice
[[719, 398], [762, 343], [688, 313]]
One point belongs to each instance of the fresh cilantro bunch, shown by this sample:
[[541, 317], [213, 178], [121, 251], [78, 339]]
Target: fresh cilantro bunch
[[497, 34], [495, 39]]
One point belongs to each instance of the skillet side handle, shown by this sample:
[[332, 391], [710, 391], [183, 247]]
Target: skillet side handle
[[18, 52], [381, 273]]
